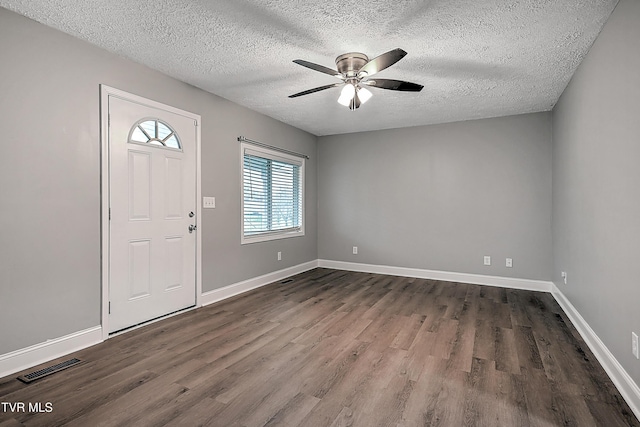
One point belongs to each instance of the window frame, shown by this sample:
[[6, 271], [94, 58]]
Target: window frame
[[149, 143], [281, 157]]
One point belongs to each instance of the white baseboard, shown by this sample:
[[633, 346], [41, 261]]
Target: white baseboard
[[623, 382], [476, 279], [24, 358], [256, 282]]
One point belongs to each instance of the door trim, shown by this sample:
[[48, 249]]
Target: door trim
[[105, 93]]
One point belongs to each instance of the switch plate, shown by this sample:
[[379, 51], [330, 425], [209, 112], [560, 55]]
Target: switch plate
[[208, 202], [634, 345], [509, 262], [487, 260], [564, 276], [355, 250], [279, 256]]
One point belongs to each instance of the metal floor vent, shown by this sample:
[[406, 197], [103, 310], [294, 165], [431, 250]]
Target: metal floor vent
[[49, 370], [287, 281]]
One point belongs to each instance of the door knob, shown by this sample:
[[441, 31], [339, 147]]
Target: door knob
[[191, 214], [192, 228]]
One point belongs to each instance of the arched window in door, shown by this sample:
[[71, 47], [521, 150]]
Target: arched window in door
[[154, 132]]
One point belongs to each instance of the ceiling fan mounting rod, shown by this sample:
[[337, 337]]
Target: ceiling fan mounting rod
[[352, 80]]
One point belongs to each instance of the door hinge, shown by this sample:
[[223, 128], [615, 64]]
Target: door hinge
[[109, 120], [195, 123], [109, 214], [109, 307]]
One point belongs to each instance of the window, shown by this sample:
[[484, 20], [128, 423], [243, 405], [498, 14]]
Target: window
[[273, 194], [154, 132]]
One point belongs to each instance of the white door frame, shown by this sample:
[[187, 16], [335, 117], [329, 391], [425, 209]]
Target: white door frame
[[105, 93]]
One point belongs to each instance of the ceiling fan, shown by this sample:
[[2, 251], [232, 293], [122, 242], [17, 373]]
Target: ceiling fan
[[355, 70]]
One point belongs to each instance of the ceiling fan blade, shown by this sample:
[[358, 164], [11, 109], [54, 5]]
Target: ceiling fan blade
[[381, 62], [318, 67], [317, 89], [394, 85]]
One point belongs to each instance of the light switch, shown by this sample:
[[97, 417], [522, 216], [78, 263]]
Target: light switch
[[208, 202]]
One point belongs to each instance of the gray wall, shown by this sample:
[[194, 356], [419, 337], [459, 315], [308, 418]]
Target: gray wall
[[596, 185], [440, 197], [50, 180]]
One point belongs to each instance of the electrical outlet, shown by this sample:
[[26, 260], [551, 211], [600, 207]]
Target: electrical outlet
[[355, 250], [279, 256], [564, 276], [634, 345], [487, 260], [209, 202], [509, 262]]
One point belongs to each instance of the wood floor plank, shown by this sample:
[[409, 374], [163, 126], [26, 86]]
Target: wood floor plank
[[320, 329], [526, 347], [343, 419], [408, 331], [448, 408], [215, 349], [517, 300], [203, 413], [263, 349], [388, 405], [381, 332], [294, 411], [270, 404], [603, 416], [367, 402], [510, 400], [445, 338], [335, 370], [422, 401], [343, 392], [506, 355], [484, 342], [254, 377], [262, 392], [478, 406], [211, 381], [347, 323], [338, 348], [76, 407]]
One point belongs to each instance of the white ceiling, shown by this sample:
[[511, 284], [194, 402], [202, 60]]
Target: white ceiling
[[475, 58]]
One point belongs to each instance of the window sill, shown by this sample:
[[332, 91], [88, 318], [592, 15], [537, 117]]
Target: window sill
[[265, 237]]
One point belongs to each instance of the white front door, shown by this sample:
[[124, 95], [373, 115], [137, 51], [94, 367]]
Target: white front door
[[152, 191]]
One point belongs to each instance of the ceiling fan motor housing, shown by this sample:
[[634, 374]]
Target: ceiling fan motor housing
[[350, 63]]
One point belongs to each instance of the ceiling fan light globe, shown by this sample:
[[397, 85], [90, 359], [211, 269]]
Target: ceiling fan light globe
[[344, 100], [364, 94], [348, 91]]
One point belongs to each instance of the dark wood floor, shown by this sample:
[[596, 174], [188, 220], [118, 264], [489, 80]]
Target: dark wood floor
[[335, 348]]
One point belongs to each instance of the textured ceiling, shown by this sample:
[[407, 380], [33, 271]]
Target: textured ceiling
[[475, 58]]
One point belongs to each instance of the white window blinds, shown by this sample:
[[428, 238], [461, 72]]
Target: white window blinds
[[272, 192]]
